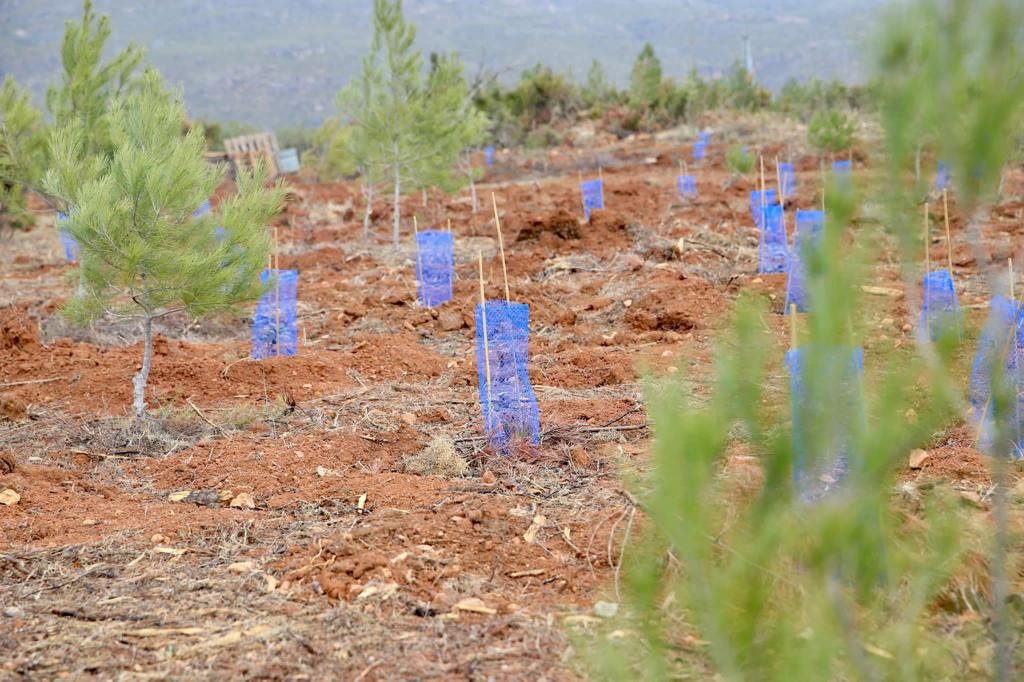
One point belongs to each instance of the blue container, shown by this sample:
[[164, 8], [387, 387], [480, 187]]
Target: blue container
[[787, 174], [843, 173], [288, 160], [824, 425], [435, 264], [507, 402], [942, 178], [69, 243], [593, 196], [699, 150], [757, 204], [993, 353], [809, 227], [278, 304], [774, 251], [940, 310], [687, 185], [489, 155]]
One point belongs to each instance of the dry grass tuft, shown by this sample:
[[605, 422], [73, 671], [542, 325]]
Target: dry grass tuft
[[439, 458]]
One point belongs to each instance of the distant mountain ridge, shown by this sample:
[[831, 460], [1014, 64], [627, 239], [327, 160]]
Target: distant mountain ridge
[[281, 63]]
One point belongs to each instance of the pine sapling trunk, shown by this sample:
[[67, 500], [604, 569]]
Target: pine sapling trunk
[[472, 188], [141, 377], [395, 228], [369, 210]]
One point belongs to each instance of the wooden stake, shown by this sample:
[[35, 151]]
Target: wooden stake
[[449, 224], [762, 183], [501, 246], [949, 240], [686, 168], [483, 323], [1010, 265], [277, 295]]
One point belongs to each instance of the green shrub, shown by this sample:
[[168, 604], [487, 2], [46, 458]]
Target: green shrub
[[739, 160], [831, 131]]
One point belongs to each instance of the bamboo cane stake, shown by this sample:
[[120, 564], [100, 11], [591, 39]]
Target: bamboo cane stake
[[483, 323], [501, 247], [277, 294]]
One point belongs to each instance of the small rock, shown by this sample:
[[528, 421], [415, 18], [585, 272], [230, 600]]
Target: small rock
[[9, 497], [158, 539], [918, 457], [580, 458], [627, 303], [907, 328], [408, 418], [672, 369], [243, 501], [451, 320], [910, 415], [242, 567], [13, 612], [90, 522], [488, 477], [606, 609]]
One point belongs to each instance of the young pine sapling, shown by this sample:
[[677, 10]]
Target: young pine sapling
[[143, 254]]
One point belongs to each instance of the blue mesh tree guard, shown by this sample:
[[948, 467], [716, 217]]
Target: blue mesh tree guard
[[774, 251], [756, 204], [508, 403], [489, 155], [842, 171], [278, 303], [69, 243], [435, 263], [809, 227], [203, 209], [940, 310], [687, 185], [823, 436], [704, 138], [993, 354], [593, 196], [699, 150], [942, 178], [787, 176]]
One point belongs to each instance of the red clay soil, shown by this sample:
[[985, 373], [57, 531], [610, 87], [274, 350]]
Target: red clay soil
[[338, 560]]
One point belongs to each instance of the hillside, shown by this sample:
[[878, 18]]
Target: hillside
[[281, 63]]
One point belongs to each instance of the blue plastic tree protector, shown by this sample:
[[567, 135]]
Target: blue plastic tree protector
[[940, 309], [489, 155], [774, 252], [704, 138], [756, 204], [942, 176], [435, 262], [277, 303], [593, 196], [203, 209], [69, 243], [787, 174], [993, 353], [699, 150], [687, 185], [824, 422], [809, 227], [843, 172], [507, 402], [1015, 370]]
